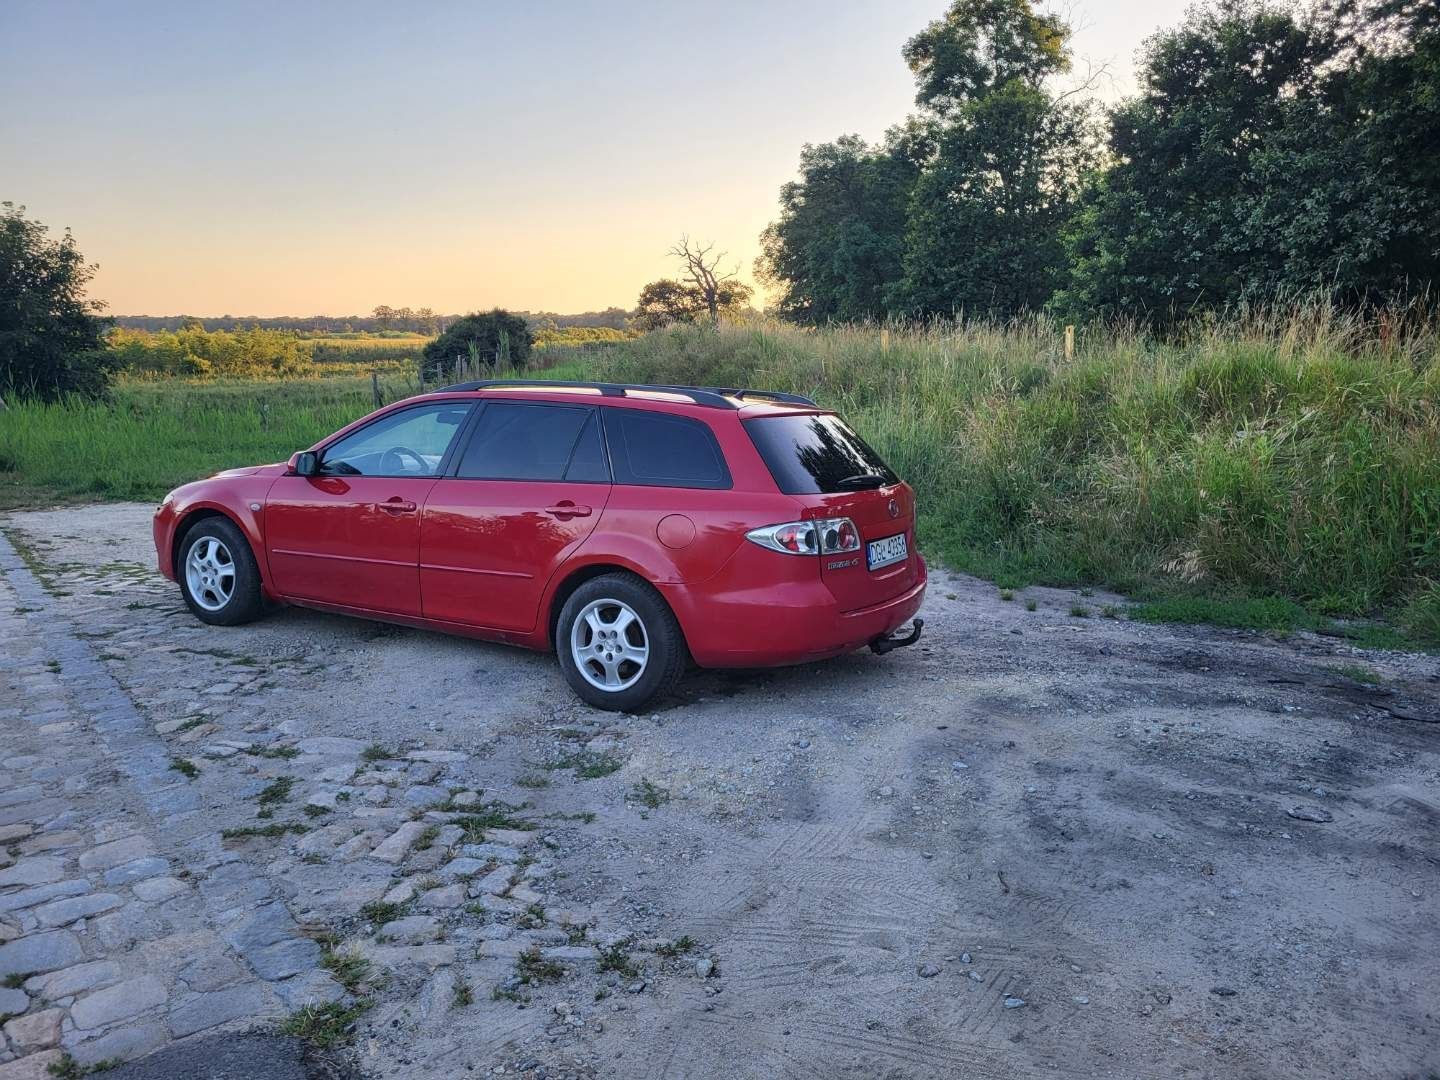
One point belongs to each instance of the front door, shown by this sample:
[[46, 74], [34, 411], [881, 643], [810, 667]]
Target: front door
[[528, 489], [351, 535]]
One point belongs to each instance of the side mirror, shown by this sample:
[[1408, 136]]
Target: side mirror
[[305, 463]]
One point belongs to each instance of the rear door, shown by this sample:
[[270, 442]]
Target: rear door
[[527, 490], [833, 472], [351, 535]]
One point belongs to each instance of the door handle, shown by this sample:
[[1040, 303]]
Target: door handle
[[396, 505], [567, 509]]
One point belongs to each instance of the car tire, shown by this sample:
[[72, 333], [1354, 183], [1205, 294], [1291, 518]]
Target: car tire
[[601, 645], [218, 575]]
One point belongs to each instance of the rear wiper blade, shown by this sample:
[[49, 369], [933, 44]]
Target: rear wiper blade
[[862, 480]]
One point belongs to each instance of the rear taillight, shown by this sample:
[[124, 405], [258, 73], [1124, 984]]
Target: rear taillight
[[827, 536]]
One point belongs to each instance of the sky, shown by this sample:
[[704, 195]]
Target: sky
[[327, 157]]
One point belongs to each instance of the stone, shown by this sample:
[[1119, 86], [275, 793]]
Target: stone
[[571, 954], [115, 852], [10, 833], [407, 960], [136, 870], [513, 837], [119, 1002], [41, 893], [331, 746], [13, 1002], [504, 948], [395, 846], [488, 851], [126, 1043], [411, 930], [198, 1012], [425, 795], [36, 1031], [928, 971], [40, 953], [270, 941], [40, 870], [309, 988], [462, 868], [1014, 1003], [495, 883], [704, 967], [1310, 813], [448, 896], [438, 757], [154, 890], [465, 798], [212, 971], [32, 1066], [63, 912], [67, 982]]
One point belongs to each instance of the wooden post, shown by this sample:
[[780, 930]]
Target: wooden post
[[1070, 342], [375, 388]]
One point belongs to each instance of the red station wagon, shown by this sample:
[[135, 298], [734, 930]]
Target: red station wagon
[[630, 528]]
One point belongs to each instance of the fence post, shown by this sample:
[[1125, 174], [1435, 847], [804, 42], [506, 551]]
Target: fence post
[[375, 388], [1070, 342]]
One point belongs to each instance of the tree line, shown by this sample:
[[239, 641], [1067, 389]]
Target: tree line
[[1270, 153]]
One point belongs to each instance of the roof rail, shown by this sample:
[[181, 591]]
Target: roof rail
[[713, 397]]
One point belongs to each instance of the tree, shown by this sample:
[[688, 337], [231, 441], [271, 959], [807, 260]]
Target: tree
[[987, 213], [700, 269], [384, 316], [51, 336], [840, 239], [668, 301], [496, 339], [1270, 155]]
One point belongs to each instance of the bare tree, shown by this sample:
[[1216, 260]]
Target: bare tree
[[702, 270]]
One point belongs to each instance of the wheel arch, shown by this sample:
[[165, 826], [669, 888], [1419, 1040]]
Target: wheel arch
[[194, 517], [578, 576]]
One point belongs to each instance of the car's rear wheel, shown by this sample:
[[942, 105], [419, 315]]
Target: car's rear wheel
[[218, 575], [619, 643]]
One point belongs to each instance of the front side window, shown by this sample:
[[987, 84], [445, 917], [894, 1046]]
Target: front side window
[[412, 442], [520, 441], [659, 450]]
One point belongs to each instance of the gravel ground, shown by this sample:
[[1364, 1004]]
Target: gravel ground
[[1033, 845]]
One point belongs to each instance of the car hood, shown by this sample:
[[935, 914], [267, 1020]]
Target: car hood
[[254, 470]]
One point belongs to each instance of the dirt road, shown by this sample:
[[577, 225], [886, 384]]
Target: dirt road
[[1035, 845]]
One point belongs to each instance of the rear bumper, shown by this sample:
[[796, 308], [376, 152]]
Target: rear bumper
[[789, 623]]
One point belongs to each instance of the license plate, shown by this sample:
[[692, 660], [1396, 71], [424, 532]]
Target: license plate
[[880, 553]]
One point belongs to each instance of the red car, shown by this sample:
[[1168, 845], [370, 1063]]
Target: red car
[[630, 528]]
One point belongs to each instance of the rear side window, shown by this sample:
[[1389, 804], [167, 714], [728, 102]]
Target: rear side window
[[659, 450], [517, 441], [811, 455]]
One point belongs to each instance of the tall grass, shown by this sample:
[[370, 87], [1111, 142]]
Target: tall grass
[[1293, 456]]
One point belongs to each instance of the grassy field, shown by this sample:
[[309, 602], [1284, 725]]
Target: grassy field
[[1268, 474]]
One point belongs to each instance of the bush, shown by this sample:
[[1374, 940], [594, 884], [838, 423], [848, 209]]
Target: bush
[[496, 339]]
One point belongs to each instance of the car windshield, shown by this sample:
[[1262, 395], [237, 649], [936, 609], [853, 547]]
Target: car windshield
[[817, 454]]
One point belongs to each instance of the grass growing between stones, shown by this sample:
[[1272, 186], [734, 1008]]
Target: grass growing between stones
[[616, 959], [588, 765], [325, 1026], [376, 752], [268, 832], [532, 968], [649, 795], [185, 768]]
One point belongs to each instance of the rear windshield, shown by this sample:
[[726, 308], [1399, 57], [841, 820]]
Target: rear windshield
[[810, 455]]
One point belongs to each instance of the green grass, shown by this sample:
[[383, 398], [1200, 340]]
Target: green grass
[[279, 828], [185, 767], [1288, 457], [325, 1026]]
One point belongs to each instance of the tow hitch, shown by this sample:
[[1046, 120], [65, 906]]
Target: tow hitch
[[881, 645]]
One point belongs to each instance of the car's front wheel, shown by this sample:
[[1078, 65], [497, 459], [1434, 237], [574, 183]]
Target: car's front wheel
[[218, 575], [619, 643]]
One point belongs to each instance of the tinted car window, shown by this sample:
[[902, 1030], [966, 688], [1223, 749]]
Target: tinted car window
[[809, 455], [663, 451], [515, 441], [411, 442], [587, 463]]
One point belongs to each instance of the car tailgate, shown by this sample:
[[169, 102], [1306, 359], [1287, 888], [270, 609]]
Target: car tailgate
[[879, 514]]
